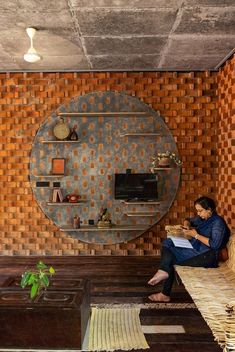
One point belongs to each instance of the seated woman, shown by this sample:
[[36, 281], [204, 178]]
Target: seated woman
[[207, 232]]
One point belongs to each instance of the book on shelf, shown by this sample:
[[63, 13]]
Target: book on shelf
[[57, 196]]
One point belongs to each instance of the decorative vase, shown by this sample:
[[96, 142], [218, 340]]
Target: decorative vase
[[73, 135]]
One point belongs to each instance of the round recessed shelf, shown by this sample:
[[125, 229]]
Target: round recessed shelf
[[91, 162]]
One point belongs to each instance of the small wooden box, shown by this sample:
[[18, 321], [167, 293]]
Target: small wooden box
[[57, 319]]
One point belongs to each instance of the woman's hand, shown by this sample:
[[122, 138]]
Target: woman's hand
[[186, 225], [190, 233]]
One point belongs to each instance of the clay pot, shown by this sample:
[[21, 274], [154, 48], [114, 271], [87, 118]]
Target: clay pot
[[164, 162]]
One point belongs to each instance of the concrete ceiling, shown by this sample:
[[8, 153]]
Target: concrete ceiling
[[117, 35]]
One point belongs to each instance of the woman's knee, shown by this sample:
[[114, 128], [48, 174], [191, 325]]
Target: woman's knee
[[167, 243]]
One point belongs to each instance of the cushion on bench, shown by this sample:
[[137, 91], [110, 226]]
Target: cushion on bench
[[212, 290]]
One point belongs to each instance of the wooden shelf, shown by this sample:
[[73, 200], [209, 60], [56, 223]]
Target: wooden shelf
[[141, 213], [114, 113], [112, 228], [162, 168], [141, 134], [55, 176], [61, 142], [61, 204], [141, 202]]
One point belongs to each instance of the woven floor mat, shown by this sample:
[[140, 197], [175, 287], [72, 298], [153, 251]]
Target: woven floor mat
[[116, 329]]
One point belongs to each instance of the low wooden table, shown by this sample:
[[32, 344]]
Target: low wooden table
[[57, 318]]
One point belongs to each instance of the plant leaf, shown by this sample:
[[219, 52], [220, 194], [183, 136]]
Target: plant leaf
[[34, 290], [51, 270], [25, 279], [45, 280], [33, 278], [41, 265]]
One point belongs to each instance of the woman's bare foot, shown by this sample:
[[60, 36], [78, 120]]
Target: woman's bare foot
[[158, 277], [159, 297]]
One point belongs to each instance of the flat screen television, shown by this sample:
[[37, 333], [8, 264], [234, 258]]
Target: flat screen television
[[136, 187]]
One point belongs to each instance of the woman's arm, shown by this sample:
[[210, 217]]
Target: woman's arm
[[193, 233], [217, 232]]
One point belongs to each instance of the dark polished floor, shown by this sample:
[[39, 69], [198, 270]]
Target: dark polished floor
[[123, 280]]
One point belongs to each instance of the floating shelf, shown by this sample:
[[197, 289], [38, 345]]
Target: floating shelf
[[61, 204], [145, 203], [55, 176], [112, 228], [141, 134], [61, 142], [114, 113], [162, 168], [141, 213]]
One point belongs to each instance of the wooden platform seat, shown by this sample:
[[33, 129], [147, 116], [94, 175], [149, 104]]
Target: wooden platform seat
[[213, 291], [57, 319]]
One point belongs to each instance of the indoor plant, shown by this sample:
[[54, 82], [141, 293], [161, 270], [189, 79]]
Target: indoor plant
[[164, 159], [38, 278]]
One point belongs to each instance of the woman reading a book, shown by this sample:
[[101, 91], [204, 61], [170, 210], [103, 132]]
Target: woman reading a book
[[207, 233]]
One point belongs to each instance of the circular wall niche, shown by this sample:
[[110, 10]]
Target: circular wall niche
[[116, 132]]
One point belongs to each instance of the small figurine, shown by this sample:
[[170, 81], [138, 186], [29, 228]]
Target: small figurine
[[76, 222], [73, 135], [104, 219]]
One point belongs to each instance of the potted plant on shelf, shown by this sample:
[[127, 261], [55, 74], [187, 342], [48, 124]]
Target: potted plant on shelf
[[164, 159], [38, 278]]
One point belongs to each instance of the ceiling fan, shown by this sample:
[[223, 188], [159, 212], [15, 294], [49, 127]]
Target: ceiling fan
[[31, 55]]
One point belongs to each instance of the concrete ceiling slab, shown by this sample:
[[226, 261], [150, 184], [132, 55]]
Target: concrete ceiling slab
[[56, 63], [124, 46], [123, 62], [200, 46], [180, 63], [127, 4], [118, 35], [209, 20], [125, 22]]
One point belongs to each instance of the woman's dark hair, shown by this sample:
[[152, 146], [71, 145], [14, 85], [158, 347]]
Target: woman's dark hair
[[206, 203]]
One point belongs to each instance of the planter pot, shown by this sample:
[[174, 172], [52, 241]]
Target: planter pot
[[164, 162]]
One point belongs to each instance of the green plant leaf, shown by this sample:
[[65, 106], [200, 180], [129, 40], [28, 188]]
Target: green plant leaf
[[34, 290], [32, 279], [51, 270], [41, 266], [25, 279], [45, 280]]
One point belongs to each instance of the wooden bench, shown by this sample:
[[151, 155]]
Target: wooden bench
[[56, 319], [213, 291]]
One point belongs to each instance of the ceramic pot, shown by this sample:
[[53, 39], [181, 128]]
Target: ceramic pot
[[164, 162]]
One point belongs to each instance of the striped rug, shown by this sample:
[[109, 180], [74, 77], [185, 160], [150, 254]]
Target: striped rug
[[116, 329]]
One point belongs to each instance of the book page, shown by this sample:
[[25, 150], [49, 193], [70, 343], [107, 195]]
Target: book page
[[180, 242]]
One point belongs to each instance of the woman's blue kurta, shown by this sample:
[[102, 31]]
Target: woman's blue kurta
[[215, 228]]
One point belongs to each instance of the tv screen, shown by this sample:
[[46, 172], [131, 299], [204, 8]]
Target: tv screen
[[135, 186]]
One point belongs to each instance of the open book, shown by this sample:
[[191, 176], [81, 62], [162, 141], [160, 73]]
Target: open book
[[177, 236]]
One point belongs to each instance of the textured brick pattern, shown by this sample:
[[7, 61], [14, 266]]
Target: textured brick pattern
[[187, 101], [226, 141]]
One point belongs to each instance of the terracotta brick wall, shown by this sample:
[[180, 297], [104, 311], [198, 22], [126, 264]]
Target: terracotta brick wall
[[226, 142], [187, 102]]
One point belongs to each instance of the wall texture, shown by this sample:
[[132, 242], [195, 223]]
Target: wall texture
[[186, 101], [226, 141]]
